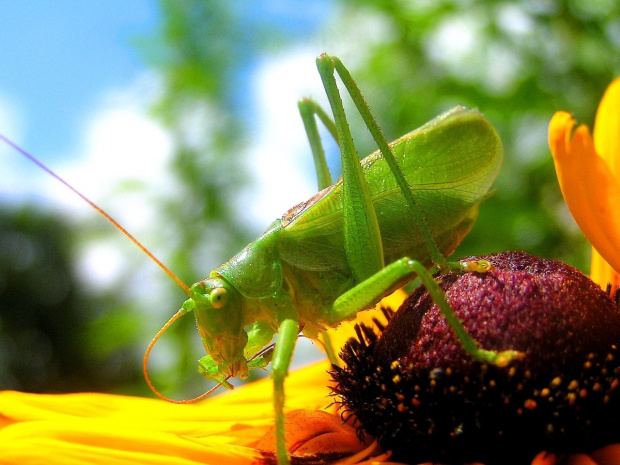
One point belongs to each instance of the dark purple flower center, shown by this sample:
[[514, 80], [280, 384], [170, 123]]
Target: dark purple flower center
[[416, 389]]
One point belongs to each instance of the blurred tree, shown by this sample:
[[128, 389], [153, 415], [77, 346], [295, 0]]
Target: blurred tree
[[198, 52], [517, 61], [45, 322]]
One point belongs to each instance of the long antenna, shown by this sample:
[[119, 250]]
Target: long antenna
[[167, 270], [145, 362]]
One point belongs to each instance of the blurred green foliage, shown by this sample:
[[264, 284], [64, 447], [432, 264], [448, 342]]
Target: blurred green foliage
[[517, 61], [45, 321]]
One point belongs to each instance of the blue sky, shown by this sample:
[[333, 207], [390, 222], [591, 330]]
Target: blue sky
[[75, 92], [67, 66], [57, 57]]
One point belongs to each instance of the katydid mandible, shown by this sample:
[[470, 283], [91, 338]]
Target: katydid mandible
[[348, 246]]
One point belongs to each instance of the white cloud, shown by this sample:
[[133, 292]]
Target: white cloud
[[280, 160], [14, 167], [120, 164], [121, 144], [123, 168]]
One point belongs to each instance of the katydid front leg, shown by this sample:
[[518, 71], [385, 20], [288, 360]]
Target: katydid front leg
[[260, 335], [285, 346]]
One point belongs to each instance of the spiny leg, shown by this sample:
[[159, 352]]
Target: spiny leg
[[393, 276], [361, 221], [308, 109], [383, 280], [362, 238], [363, 245], [336, 65]]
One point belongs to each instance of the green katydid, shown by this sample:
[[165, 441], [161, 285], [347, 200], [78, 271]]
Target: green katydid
[[347, 247]]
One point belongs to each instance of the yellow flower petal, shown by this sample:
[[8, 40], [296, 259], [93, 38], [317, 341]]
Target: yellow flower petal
[[340, 335], [96, 441], [234, 428], [99, 428], [607, 128], [603, 274], [607, 144], [590, 190]]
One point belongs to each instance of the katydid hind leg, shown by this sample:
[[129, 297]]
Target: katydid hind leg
[[362, 238], [393, 276], [260, 335], [374, 129], [382, 281], [379, 281]]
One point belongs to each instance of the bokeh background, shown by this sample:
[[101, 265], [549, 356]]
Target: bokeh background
[[179, 118]]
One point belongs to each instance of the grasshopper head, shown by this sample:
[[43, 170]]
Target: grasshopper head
[[219, 315]]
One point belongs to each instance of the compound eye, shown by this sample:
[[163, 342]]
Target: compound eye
[[218, 297]]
